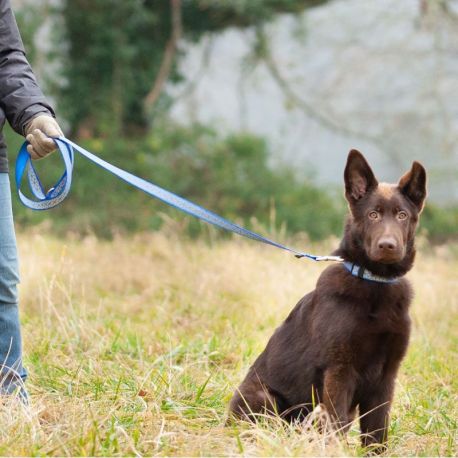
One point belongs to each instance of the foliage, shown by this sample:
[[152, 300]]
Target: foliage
[[111, 60], [232, 176], [115, 49], [28, 21], [440, 223], [229, 175], [201, 16]]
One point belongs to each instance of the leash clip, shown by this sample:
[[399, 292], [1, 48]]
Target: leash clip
[[329, 258]]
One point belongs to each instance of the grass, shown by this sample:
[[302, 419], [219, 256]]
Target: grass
[[134, 347]]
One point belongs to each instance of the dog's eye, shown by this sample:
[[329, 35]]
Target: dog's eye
[[402, 215], [373, 215]]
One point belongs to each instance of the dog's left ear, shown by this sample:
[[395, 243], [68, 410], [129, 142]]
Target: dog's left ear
[[360, 181], [413, 185]]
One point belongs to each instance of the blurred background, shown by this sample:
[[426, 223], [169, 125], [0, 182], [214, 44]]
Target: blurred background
[[248, 107]]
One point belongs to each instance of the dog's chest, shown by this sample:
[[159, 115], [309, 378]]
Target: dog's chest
[[373, 308], [373, 367], [380, 338], [384, 314]]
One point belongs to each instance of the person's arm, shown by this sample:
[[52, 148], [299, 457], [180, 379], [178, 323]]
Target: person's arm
[[20, 96]]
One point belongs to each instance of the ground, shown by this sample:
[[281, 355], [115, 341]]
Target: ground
[[134, 347]]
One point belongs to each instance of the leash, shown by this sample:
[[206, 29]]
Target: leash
[[45, 200]]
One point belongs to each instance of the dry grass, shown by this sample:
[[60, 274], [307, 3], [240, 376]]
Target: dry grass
[[134, 347]]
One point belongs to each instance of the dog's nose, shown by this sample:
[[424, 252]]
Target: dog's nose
[[387, 244]]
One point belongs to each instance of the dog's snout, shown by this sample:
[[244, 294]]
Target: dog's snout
[[387, 249], [388, 244]]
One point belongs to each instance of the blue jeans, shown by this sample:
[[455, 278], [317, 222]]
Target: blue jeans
[[12, 373]]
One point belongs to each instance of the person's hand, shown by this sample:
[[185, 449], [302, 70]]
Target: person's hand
[[37, 133]]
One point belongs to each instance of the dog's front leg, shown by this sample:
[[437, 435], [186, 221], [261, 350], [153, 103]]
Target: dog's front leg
[[338, 390], [374, 411]]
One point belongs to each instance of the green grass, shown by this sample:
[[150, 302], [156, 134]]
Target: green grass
[[134, 347]]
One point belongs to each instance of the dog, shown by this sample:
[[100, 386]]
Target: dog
[[342, 345]]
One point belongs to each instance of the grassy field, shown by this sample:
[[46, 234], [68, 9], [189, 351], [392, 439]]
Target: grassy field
[[134, 347]]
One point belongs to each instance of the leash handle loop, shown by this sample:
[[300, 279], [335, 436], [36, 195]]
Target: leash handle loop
[[44, 200], [54, 196]]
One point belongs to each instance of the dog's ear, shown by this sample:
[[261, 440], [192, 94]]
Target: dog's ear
[[413, 185], [359, 178]]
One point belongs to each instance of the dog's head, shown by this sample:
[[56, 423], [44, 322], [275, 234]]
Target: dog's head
[[383, 216]]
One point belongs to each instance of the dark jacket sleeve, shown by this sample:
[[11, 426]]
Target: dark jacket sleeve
[[20, 96]]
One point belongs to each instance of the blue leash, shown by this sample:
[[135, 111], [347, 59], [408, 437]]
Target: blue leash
[[46, 200]]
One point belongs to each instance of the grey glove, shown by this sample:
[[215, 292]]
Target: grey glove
[[37, 133]]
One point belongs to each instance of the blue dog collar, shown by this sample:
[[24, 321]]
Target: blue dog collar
[[364, 274]]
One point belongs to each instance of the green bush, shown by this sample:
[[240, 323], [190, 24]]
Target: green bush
[[230, 176], [439, 223]]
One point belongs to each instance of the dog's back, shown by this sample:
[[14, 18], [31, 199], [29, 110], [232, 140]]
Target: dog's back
[[342, 344]]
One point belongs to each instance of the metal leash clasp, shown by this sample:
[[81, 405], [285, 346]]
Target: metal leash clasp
[[329, 258], [319, 258]]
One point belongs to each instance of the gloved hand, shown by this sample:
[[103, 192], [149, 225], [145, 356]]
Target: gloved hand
[[37, 133]]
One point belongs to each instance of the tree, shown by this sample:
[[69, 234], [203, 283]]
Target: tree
[[121, 53]]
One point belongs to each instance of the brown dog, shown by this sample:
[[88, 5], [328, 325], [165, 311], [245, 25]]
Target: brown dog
[[343, 343]]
